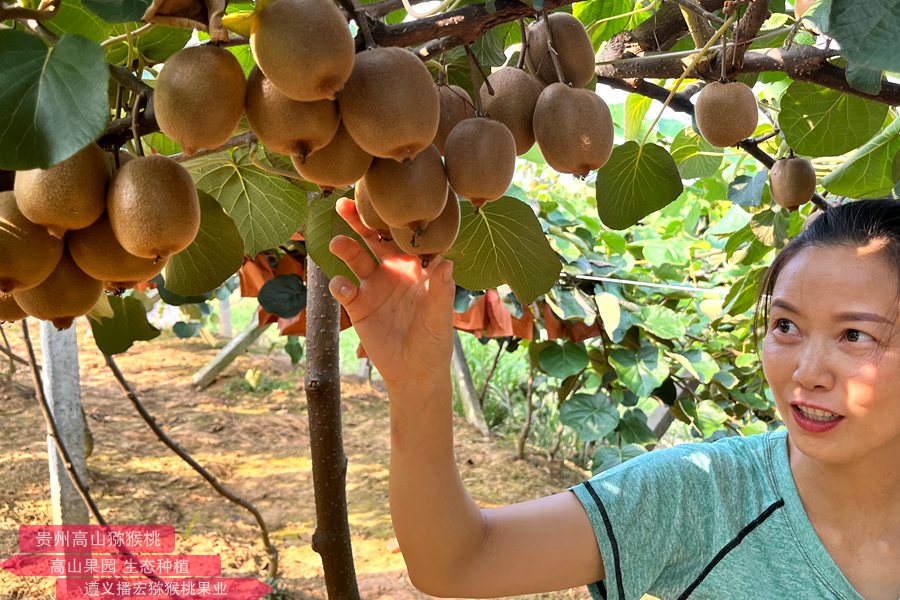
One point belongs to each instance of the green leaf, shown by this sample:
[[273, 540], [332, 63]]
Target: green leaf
[[155, 46], [503, 243], [818, 14], [161, 143], [607, 457], [284, 295], [594, 14], [694, 156], [215, 254], [294, 349], [128, 325], [663, 322], [72, 17], [636, 181], [323, 224], [634, 428], [563, 360], [698, 363], [266, 208], [186, 330], [592, 416], [170, 297], [818, 121], [746, 190], [574, 304], [118, 11], [53, 101], [867, 32], [610, 312], [642, 371], [770, 227], [709, 417], [672, 251], [490, 47], [868, 171], [864, 79], [742, 295], [636, 107]]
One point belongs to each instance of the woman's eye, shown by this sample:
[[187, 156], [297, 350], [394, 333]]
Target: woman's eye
[[783, 325], [855, 335]]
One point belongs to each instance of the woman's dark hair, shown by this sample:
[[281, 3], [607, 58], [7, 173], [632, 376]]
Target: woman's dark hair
[[854, 224]]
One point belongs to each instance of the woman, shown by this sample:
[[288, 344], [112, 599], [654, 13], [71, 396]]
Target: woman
[[813, 512]]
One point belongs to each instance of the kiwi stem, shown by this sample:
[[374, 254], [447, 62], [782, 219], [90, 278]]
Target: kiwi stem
[[361, 19], [442, 74], [690, 68], [552, 48], [475, 69], [722, 77], [523, 31], [135, 125]]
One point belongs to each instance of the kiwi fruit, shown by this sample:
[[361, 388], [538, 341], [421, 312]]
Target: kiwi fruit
[[10, 309], [199, 97], [455, 106], [367, 213], [792, 182], [515, 96], [573, 128], [573, 47], [437, 238], [285, 125], [481, 159], [338, 164], [726, 113], [153, 207], [69, 195], [304, 47], [29, 252], [99, 254], [390, 105], [408, 194], [67, 293]]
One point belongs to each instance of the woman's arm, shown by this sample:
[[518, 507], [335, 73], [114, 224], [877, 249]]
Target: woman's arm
[[403, 315]]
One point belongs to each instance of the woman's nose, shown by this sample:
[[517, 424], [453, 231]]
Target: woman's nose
[[813, 368]]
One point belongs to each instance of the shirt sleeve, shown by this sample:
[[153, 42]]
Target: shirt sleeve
[[649, 514]]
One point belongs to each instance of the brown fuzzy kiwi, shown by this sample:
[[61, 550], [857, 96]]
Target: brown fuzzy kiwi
[[285, 125], [199, 97], [99, 254], [481, 159], [10, 309], [573, 47], [153, 207], [455, 106], [573, 128], [67, 293], [69, 195], [390, 105], [437, 238], [338, 164], [304, 47], [408, 194], [367, 213], [29, 252], [515, 96], [792, 182], [726, 113]]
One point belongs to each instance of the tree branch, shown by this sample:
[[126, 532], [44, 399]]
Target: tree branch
[[699, 11], [46, 12], [747, 28]]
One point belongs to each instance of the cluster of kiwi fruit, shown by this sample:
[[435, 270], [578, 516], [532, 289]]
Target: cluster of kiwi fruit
[[377, 120], [82, 226]]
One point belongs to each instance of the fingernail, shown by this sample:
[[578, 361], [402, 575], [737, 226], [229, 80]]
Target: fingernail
[[344, 290]]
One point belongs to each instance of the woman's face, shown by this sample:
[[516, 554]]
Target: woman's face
[[833, 343]]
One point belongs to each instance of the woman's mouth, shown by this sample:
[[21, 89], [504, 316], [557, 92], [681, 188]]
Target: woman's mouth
[[815, 420]]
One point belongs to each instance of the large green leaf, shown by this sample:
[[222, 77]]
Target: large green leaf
[[636, 107], [607, 457], [72, 17], [642, 371], [214, 255], [573, 304], [672, 251], [663, 322], [694, 156], [592, 416], [155, 46], [634, 429], [118, 11], [601, 18], [636, 181], [284, 295], [867, 32], [818, 121], [698, 363], [323, 224], [266, 208], [864, 79], [503, 243], [563, 360], [53, 101], [610, 312], [868, 172], [128, 325]]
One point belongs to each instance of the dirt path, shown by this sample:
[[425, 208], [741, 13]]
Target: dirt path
[[256, 442]]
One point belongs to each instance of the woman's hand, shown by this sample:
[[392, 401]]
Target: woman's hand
[[402, 313]]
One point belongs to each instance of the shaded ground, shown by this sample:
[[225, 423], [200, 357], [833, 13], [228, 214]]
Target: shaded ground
[[256, 442]]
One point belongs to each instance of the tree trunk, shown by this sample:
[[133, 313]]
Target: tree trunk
[[467, 393], [329, 463], [529, 412]]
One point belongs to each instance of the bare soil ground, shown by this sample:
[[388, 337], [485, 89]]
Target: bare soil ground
[[256, 442]]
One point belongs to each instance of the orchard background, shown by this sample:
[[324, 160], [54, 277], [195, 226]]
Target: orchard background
[[609, 312]]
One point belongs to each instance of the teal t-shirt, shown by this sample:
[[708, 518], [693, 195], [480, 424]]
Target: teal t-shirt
[[708, 521]]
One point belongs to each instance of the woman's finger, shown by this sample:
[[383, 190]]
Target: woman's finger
[[344, 292], [381, 248], [351, 252]]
